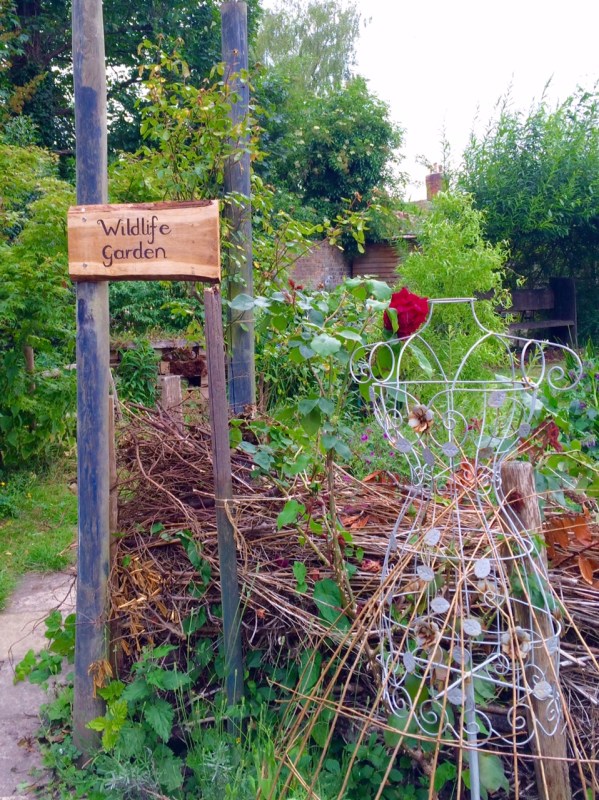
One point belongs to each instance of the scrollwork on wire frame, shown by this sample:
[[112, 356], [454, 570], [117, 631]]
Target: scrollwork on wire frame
[[466, 605]]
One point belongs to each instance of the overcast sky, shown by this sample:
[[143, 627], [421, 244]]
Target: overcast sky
[[439, 63]]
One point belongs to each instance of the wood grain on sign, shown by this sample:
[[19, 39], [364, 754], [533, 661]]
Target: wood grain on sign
[[145, 241]]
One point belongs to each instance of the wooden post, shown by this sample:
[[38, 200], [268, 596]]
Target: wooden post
[[171, 397], [29, 359], [242, 377], [113, 476], [553, 781], [92, 378], [29, 364], [223, 492], [115, 649]]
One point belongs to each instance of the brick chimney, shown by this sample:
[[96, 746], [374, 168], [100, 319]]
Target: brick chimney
[[434, 183]]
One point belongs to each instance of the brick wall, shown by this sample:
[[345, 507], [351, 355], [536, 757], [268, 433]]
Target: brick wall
[[324, 265]]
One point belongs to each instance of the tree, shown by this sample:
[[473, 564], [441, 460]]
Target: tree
[[37, 62], [329, 142], [339, 149], [312, 44], [536, 177]]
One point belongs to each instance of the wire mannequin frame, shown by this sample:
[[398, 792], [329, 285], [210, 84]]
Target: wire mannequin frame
[[465, 605]]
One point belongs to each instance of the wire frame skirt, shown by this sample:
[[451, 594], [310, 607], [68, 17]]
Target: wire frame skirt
[[470, 628]]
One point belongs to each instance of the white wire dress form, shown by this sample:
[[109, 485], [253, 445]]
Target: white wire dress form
[[466, 605]]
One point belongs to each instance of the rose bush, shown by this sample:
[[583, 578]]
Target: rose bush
[[410, 311]]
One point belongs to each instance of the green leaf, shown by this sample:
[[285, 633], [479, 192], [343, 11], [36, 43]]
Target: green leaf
[[25, 666], [168, 768], [446, 771], [172, 679], [320, 732], [311, 422], [160, 715], [423, 362], [310, 666], [329, 441], [338, 445], [136, 691], [327, 597], [248, 447], [343, 450], [290, 513], [379, 290], [195, 621], [399, 723], [112, 691], [325, 345], [235, 437], [306, 406], [326, 406], [492, 774], [353, 336], [300, 572], [297, 355], [306, 351], [263, 459], [162, 651], [242, 302]]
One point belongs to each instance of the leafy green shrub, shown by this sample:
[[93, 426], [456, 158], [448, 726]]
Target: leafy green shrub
[[454, 260], [36, 309], [138, 307], [137, 374], [304, 344], [535, 176], [565, 442]]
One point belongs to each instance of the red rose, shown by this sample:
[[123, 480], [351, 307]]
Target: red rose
[[411, 312]]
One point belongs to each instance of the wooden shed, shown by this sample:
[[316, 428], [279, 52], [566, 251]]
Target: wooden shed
[[380, 261]]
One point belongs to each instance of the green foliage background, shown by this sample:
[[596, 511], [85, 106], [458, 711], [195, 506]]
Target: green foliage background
[[455, 261], [36, 307], [536, 177]]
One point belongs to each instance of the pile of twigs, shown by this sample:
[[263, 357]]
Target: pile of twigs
[[166, 499], [166, 507], [166, 487]]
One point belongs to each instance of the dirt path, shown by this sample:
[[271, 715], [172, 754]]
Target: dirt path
[[22, 628]]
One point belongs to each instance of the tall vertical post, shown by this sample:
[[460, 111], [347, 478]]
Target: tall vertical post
[[223, 492], [92, 376], [551, 765], [242, 379]]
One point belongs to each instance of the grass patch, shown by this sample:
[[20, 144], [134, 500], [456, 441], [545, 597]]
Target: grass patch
[[38, 524]]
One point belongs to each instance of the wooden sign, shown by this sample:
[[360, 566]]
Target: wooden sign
[[145, 241]]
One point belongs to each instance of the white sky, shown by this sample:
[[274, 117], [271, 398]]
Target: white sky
[[439, 63]]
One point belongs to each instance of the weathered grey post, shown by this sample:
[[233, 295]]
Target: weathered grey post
[[171, 397], [242, 379], [92, 376], [223, 491], [551, 766]]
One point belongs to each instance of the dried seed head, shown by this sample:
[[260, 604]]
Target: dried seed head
[[426, 633], [420, 419], [516, 643]]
